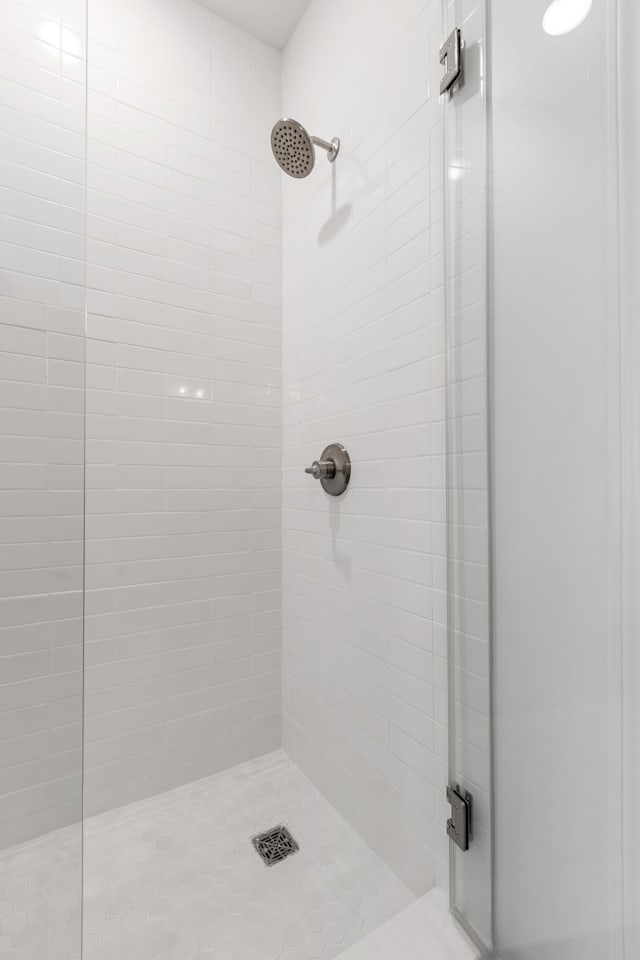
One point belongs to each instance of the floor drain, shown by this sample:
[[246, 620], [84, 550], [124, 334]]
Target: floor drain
[[275, 845]]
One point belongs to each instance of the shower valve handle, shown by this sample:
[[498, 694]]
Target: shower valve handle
[[322, 469], [333, 469]]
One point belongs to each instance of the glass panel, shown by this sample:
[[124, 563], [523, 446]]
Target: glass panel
[[467, 468], [629, 80], [556, 484], [42, 301]]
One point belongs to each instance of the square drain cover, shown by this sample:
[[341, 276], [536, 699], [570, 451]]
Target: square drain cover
[[274, 845]]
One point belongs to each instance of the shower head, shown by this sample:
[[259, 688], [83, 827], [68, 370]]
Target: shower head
[[294, 149]]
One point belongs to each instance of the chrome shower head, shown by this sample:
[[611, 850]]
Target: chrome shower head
[[294, 150]]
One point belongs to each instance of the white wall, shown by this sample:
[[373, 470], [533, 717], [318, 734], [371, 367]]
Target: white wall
[[42, 253], [364, 669], [183, 399], [556, 491]]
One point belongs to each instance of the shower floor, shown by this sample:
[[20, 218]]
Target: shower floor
[[176, 877]]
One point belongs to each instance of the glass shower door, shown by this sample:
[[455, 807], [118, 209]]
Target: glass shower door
[[467, 469]]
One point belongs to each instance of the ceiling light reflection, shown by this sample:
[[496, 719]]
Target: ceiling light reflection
[[563, 16]]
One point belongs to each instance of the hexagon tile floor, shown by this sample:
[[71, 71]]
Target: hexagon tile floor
[[176, 877], [40, 897]]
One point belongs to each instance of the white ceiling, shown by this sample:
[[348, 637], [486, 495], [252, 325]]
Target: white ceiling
[[270, 20]]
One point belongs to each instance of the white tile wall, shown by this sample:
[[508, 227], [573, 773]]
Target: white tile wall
[[364, 701], [42, 268], [183, 399]]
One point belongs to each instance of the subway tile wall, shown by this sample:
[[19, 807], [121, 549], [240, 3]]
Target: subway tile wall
[[42, 271], [183, 553], [364, 576]]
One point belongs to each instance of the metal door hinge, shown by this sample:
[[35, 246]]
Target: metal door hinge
[[459, 826], [451, 57]]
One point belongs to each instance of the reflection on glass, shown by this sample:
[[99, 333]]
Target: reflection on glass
[[59, 40], [563, 16]]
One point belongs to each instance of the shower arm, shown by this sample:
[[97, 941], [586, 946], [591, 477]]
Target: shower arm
[[332, 148]]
